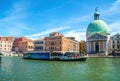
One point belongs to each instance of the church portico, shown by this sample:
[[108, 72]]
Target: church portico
[[97, 47]]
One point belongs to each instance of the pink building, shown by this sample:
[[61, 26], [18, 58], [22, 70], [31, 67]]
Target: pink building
[[16, 43]]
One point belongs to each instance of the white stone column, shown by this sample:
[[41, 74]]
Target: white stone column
[[106, 52], [94, 47], [115, 44], [87, 47], [103, 47], [90, 47], [99, 47]]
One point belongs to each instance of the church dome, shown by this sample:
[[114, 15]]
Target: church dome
[[97, 26]]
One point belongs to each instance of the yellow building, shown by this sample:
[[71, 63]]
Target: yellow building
[[82, 46], [25, 46]]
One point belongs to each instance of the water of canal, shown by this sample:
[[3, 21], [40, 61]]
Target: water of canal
[[94, 69]]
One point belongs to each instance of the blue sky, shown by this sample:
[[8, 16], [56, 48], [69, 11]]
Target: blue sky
[[37, 18]]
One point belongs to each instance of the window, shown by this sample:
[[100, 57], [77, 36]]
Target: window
[[39, 42], [113, 41], [117, 41], [52, 37], [117, 36], [39, 48], [118, 46], [52, 43], [60, 42], [52, 48], [113, 47]]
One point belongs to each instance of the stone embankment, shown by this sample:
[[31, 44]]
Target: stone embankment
[[100, 56], [4, 53]]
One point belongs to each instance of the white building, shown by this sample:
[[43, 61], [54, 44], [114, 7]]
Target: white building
[[6, 44], [39, 45], [97, 36], [115, 42], [74, 45]]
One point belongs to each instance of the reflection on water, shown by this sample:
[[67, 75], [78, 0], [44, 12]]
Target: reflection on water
[[94, 69]]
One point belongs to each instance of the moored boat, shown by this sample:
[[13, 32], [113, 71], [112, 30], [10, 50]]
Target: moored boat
[[36, 55], [55, 56], [70, 59]]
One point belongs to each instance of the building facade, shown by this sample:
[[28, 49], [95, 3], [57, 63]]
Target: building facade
[[39, 45], [97, 36], [6, 44], [58, 43], [115, 42], [74, 45], [25, 46], [82, 46], [16, 43]]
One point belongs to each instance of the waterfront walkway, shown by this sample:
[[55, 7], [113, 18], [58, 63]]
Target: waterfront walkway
[[4, 53], [98, 56]]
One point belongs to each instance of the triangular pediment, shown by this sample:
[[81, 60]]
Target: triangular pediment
[[97, 36]]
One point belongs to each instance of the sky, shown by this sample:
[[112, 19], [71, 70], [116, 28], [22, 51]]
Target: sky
[[38, 18]]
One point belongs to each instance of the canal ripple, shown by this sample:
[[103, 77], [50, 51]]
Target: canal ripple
[[94, 69]]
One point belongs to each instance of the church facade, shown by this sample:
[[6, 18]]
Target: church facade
[[97, 36]]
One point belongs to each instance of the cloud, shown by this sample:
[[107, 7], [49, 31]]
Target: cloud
[[112, 12], [78, 34], [13, 21], [14, 24], [113, 9], [79, 19], [114, 27], [115, 6], [42, 34]]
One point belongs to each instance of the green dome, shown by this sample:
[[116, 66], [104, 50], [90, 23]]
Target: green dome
[[97, 26]]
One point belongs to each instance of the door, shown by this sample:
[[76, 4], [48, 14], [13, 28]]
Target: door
[[97, 48]]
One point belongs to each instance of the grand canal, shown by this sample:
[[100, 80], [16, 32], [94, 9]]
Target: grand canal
[[94, 69]]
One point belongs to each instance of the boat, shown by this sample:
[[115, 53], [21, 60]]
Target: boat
[[55, 56], [68, 56], [70, 59], [36, 55]]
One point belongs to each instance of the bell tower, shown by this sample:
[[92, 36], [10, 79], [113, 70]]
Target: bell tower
[[96, 14]]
